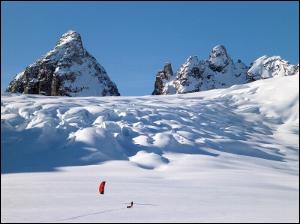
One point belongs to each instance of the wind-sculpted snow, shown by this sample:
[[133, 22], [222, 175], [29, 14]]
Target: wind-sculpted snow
[[226, 155], [257, 120]]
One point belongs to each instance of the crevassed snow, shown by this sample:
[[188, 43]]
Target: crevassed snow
[[224, 155]]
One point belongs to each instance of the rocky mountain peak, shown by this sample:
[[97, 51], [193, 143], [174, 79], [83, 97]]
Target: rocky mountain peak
[[192, 67], [218, 58], [68, 46], [67, 70], [267, 67], [69, 37], [220, 71], [168, 69], [161, 78], [192, 60]]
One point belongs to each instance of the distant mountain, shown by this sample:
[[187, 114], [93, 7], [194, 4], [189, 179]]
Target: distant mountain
[[267, 67], [67, 70], [218, 71]]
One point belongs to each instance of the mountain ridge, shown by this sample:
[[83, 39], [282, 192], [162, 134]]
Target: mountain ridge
[[219, 70]]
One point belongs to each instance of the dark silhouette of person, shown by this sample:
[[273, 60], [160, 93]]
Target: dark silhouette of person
[[130, 206]]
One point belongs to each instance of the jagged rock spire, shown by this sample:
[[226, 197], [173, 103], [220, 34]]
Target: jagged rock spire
[[162, 77], [218, 58]]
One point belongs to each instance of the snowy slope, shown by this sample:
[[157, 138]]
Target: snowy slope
[[220, 155]]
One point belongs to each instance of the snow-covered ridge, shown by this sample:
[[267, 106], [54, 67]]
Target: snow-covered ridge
[[67, 70], [220, 71], [268, 67], [255, 120]]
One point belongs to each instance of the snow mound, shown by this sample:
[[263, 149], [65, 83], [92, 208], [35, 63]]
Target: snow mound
[[148, 160]]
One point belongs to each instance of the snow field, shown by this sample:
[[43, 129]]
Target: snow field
[[227, 155]]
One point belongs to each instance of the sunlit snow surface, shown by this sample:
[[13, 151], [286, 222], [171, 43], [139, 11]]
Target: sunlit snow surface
[[220, 155]]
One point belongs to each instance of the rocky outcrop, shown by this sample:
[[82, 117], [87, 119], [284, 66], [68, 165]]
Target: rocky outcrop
[[218, 58], [219, 71], [162, 77], [67, 70]]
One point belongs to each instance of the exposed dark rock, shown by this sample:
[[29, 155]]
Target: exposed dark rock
[[161, 77]]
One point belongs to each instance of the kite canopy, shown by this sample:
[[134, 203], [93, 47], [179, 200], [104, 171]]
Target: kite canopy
[[101, 187]]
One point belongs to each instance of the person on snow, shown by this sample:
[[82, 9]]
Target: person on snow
[[130, 206]]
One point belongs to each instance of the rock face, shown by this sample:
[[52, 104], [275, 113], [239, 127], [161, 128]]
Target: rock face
[[162, 77], [218, 58], [219, 71], [67, 70]]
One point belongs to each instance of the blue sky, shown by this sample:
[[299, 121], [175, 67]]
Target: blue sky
[[133, 40]]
